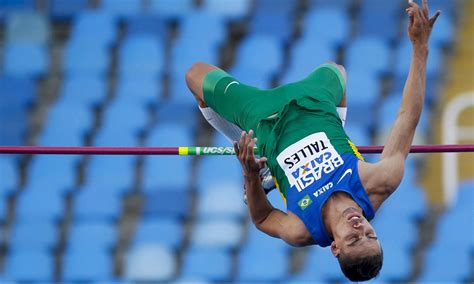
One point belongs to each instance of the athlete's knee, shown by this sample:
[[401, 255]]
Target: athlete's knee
[[195, 76]]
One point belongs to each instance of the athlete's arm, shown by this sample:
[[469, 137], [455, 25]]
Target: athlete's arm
[[266, 218], [387, 174]]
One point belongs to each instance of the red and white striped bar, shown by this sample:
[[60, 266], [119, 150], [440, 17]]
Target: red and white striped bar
[[191, 151]]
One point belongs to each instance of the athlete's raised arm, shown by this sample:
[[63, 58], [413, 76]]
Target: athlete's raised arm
[[389, 171], [266, 218]]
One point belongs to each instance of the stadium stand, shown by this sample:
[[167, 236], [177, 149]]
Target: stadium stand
[[111, 73]]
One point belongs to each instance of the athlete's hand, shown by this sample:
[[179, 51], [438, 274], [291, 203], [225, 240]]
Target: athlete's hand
[[244, 151], [420, 25]]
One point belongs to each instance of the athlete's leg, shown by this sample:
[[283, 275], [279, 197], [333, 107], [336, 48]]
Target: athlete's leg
[[194, 79], [342, 105]]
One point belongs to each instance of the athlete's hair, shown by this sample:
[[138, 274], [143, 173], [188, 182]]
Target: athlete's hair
[[361, 268]]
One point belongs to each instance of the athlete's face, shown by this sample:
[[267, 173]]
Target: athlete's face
[[354, 235]]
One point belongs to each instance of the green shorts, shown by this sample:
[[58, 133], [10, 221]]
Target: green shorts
[[246, 106]]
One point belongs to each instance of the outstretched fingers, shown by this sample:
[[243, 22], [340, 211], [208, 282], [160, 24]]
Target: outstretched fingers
[[435, 17]]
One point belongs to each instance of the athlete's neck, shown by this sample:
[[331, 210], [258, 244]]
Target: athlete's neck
[[334, 208]]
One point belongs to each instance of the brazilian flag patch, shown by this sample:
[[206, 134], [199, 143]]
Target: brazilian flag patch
[[305, 202]]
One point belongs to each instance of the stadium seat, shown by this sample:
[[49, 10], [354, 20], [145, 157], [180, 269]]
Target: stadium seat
[[403, 60], [87, 265], [16, 91], [115, 174], [250, 60], [121, 9], [10, 6], [459, 220], [27, 27], [126, 117], [25, 59], [65, 10], [380, 21], [147, 24], [201, 27], [228, 9], [34, 236], [362, 94], [465, 196], [10, 177], [358, 135], [150, 263], [36, 205], [94, 26], [160, 230], [317, 21], [83, 90], [94, 204], [331, 3], [94, 235], [321, 266], [83, 58], [224, 172], [3, 211], [141, 55], [29, 265], [306, 55], [262, 265], [370, 54], [172, 9], [210, 264], [274, 18], [446, 263], [220, 234], [55, 174], [167, 202], [221, 202], [139, 89], [258, 240]]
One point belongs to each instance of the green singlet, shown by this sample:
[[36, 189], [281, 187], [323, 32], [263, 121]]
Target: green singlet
[[283, 115]]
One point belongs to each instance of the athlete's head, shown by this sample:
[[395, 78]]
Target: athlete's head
[[356, 247]]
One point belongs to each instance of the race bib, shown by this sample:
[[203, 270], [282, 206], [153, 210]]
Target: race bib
[[307, 160]]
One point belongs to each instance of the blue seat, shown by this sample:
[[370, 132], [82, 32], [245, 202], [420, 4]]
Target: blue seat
[[95, 26], [230, 9], [465, 196], [3, 209], [358, 135], [446, 263], [220, 234], [83, 90], [202, 27], [321, 266], [36, 205], [362, 94], [111, 137], [455, 220], [121, 9], [172, 9], [261, 265], [141, 90], [141, 55], [221, 202], [305, 57], [218, 173], [10, 177], [210, 264], [380, 20], [95, 204], [275, 18], [87, 265], [94, 235], [388, 233], [17, 92], [9, 6], [163, 203], [29, 265], [14, 125], [251, 59], [150, 262], [27, 27], [317, 21], [125, 117], [60, 9], [164, 231], [147, 24], [370, 54], [55, 174], [25, 59], [83, 58], [111, 173], [257, 240], [33, 236]]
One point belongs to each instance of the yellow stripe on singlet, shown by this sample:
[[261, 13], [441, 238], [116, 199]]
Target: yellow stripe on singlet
[[355, 150]]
